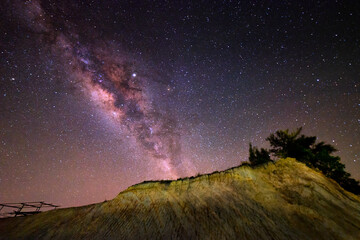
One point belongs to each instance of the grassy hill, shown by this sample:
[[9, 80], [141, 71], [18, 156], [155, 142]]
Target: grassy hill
[[282, 200]]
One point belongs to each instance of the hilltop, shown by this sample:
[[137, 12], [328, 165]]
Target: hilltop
[[282, 200]]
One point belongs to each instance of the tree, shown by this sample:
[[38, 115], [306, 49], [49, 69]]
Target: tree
[[285, 144], [316, 155], [257, 156]]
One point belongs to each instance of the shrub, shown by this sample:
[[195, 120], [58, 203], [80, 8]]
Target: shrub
[[257, 156], [316, 155]]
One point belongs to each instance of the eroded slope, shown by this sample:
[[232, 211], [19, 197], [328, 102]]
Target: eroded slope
[[285, 200]]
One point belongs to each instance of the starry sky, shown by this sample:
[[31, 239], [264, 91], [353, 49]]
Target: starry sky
[[96, 96]]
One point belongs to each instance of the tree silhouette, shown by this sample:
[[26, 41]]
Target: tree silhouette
[[285, 144], [257, 156], [315, 155]]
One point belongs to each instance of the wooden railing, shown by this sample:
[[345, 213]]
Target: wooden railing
[[23, 208]]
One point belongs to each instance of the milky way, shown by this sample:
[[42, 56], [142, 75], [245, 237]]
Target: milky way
[[96, 96], [113, 83]]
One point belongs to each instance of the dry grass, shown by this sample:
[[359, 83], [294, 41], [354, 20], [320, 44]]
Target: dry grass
[[285, 200]]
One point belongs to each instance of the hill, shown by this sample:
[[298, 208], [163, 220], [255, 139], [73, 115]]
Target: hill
[[282, 200]]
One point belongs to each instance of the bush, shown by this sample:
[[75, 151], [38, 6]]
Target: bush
[[257, 156], [316, 155]]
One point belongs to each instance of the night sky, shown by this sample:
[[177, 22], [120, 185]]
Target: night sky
[[96, 96]]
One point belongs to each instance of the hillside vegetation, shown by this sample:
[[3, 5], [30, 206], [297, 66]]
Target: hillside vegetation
[[282, 200], [316, 155]]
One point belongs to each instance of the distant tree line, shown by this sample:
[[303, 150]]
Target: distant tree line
[[305, 149]]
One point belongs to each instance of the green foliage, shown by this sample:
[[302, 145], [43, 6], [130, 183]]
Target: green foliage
[[285, 144], [257, 156], [316, 155]]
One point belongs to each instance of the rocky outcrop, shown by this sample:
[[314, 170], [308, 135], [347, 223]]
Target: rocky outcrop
[[282, 200]]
